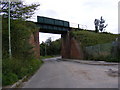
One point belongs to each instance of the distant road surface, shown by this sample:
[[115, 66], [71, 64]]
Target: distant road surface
[[65, 74]]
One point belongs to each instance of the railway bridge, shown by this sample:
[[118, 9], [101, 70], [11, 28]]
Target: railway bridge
[[70, 49]]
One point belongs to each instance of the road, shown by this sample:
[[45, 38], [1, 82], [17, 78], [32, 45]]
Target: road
[[65, 74]]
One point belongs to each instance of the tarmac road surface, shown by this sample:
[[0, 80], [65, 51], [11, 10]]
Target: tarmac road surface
[[64, 74]]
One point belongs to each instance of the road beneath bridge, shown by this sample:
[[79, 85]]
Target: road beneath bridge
[[64, 74]]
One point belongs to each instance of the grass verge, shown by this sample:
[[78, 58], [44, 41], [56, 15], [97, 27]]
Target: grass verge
[[44, 57], [16, 69]]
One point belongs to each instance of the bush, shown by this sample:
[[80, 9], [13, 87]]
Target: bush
[[23, 62], [9, 78], [15, 69], [112, 59], [50, 47], [20, 34]]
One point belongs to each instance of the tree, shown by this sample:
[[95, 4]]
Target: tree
[[18, 10], [42, 49], [50, 47], [48, 41], [20, 29], [23, 62], [20, 34]]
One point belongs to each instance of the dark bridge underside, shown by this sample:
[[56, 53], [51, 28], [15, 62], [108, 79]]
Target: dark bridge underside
[[52, 31]]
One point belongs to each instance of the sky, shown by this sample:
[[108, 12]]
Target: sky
[[82, 12]]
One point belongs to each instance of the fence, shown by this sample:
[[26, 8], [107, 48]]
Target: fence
[[76, 25], [103, 51]]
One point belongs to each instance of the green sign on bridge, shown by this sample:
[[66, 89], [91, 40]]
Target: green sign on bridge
[[50, 25]]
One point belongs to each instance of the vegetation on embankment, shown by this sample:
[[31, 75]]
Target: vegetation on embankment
[[98, 46], [23, 62], [90, 38], [15, 69]]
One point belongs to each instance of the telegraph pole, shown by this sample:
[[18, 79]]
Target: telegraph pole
[[78, 26], [45, 50], [10, 54]]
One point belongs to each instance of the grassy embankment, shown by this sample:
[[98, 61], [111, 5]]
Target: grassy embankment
[[104, 40], [23, 62]]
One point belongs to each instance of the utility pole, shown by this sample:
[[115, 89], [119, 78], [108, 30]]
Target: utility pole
[[10, 54], [45, 50], [78, 26]]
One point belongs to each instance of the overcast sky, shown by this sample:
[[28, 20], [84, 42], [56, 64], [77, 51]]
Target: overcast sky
[[81, 12]]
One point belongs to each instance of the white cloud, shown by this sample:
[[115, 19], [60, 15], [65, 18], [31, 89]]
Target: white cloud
[[80, 11], [44, 36]]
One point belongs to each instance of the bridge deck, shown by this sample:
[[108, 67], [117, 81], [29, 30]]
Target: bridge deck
[[50, 25], [47, 28]]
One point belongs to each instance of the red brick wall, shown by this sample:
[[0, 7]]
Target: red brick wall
[[76, 50], [65, 52], [34, 41], [71, 49]]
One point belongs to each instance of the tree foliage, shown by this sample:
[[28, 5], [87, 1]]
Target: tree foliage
[[20, 33], [23, 62], [20, 30], [50, 47], [18, 10]]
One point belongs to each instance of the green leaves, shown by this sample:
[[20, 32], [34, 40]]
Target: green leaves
[[23, 61], [20, 34], [15, 69], [18, 10], [50, 47]]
